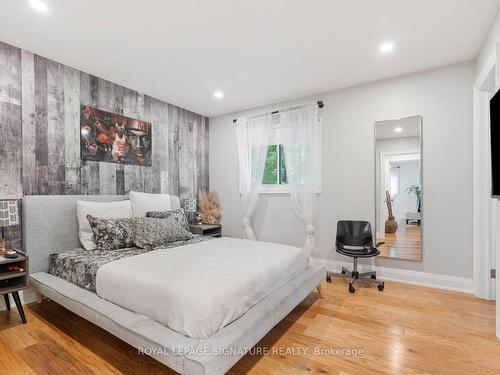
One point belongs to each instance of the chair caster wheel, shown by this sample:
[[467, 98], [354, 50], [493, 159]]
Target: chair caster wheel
[[351, 289], [374, 277], [328, 279], [381, 287]]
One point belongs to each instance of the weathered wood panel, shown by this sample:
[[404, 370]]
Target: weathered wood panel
[[172, 173], [155, 113], [107, 171], [40, 135], [71, 130], [29, 125], [184, 161], [162, 150], [204, 167], [10, 74], [193, 134], [55, 128], [10, 151], [198, 150], [89, 170], [41, 147]]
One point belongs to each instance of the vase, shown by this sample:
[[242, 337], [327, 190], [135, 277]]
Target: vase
[[391, 225]]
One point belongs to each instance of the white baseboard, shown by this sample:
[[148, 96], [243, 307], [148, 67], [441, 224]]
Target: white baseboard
[[431, 280]]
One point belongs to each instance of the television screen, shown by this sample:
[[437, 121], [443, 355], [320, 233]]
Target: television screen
[[495, 144]]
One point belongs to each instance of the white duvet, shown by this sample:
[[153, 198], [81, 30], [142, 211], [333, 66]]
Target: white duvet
[[198, 289]]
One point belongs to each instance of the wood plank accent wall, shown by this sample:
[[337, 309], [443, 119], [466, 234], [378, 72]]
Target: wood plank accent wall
[[40, 135]]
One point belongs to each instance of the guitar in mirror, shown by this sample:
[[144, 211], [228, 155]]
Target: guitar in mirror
[[398, 181]]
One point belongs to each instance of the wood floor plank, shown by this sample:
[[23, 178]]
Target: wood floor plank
[[406, 243], [402, 330], [12, 363]]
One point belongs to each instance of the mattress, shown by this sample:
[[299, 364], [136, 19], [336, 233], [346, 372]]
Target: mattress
[[80, 266], [198, 289]]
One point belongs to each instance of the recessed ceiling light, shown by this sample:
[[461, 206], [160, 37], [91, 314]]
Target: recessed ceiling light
[[219, 94], [39, 5], [386, 47], [398, 130]]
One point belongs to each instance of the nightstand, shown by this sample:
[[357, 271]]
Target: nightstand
[[12, 280], [212, 230]]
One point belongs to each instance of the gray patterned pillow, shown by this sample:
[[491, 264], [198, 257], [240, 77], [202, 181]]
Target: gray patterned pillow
[[149, 232], [111, 234], [178, 215]]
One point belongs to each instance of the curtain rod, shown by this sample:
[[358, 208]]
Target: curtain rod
[[319, 103]]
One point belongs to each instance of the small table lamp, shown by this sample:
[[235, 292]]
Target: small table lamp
[[189, 206], [9, 216]]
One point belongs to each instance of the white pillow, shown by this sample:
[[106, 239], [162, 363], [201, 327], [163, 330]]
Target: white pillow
[[105, 210], [145, 202]]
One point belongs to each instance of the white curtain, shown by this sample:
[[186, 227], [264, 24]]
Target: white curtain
[[253, 136], [301, 137]]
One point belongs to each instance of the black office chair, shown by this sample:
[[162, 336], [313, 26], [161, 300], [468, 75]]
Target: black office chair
[[355, 239]]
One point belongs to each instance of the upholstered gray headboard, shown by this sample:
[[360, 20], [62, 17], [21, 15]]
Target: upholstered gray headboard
[[50, 224]]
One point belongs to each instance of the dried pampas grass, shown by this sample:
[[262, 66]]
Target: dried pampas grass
[[209, 207]]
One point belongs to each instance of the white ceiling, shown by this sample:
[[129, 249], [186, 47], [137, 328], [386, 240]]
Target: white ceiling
[[255, 51], [410, 127]]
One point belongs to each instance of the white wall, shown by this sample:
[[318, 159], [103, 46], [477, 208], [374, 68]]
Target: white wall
[[444, 99]]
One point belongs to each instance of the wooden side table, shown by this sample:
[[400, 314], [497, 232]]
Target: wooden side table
[[212, 230], [12, 280]]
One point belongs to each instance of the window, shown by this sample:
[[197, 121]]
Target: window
[[280, 152], [274, 176], [275, 168], [394, 180]]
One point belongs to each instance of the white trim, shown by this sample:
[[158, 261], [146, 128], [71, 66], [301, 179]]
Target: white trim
[[431, 280], [483, 212], [486, 68], [484, 215], [273, 189]]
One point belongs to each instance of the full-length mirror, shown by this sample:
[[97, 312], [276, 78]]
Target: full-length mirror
[[398, 191]]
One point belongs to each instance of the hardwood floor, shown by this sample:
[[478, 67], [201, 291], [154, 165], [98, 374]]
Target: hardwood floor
[[402, 330], [406, 243]]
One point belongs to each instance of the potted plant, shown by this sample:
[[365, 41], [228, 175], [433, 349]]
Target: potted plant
[[415, 189]]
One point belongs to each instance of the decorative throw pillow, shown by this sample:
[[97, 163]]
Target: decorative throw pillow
[[111, 234], [144, 202], [178, 215], [106, 210], [149, 233]]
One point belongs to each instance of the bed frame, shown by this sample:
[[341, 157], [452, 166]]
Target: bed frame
[[50, 225]]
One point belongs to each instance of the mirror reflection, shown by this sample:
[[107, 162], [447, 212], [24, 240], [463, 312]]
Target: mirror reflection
[[398, 192]]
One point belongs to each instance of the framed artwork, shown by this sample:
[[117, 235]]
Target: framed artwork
[[113, 138]]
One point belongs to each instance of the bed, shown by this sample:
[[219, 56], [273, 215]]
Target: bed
[[50, 225]]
